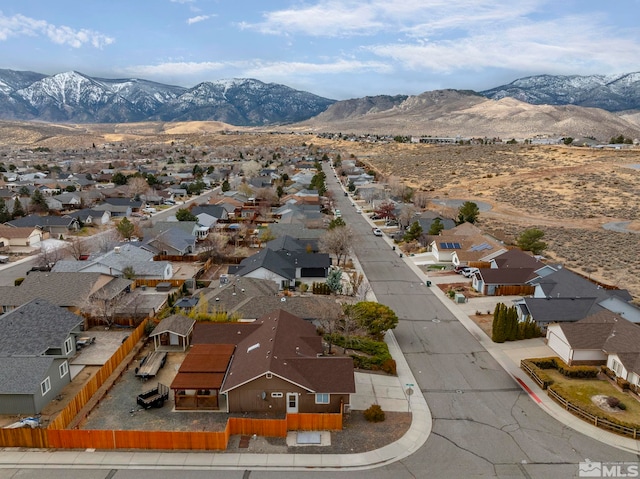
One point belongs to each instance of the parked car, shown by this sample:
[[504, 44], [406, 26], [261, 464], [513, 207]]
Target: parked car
[[377, 232], [468, 272]]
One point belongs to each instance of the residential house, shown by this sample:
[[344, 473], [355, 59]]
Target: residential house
[[285, 266], [427, 218], [174, 238], [564, 296], [119, 262], [11, 236], [74, 291], [248, 298], [601, 338], [510, 273], [465, 245], [273, 365], [37, 340], [119, 206], [91, 217], [55, 225]]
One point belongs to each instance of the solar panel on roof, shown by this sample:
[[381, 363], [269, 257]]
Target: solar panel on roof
[[456, 245]]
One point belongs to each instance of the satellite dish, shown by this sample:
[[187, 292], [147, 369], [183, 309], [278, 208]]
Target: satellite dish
[[283, 299]]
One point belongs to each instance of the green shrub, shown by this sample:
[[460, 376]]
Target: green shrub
[[18, 281], [622, 407], [374, 413]]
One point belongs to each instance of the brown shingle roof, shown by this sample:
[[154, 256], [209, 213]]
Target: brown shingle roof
[[284, 345]]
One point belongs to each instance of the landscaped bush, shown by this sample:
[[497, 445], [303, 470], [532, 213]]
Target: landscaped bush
[[613, 401], [374, 413], [608, 372], [544, 363], [623, 383], [580, 372], [544, 377], [18, 281], [377, 353]]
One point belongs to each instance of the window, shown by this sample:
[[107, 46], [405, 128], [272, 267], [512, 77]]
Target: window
[[68, 346], [64, 369], [617, 367], [268, 375], [322, 398], [276, 395], [45, 386]]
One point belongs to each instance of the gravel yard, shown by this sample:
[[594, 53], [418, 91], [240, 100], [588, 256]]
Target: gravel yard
[[118, 410]]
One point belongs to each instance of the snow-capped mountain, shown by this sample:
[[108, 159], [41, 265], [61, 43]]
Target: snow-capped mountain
[[75, 97], [609, 92]]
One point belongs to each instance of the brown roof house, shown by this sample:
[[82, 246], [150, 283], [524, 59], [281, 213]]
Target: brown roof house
[[277, 366], [11, 236], [602, 338], [465, 244]]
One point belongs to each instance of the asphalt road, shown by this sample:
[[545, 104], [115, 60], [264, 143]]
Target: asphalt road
[[483, 423]]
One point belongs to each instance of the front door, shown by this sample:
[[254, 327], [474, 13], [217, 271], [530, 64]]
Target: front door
[[292, 403]]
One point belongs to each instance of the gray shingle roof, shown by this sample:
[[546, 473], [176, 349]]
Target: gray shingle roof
[[557, 310], [176, 323], [22, 375], [35, 327], [62, 289]]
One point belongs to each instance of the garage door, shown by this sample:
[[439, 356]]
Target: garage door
[[561, 348]]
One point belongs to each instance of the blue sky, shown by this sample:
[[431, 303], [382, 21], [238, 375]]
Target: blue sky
[[334, 48]]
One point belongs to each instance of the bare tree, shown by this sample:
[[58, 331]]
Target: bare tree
[[350, 323], [329, 321], [107, 240], [421, 199], [137, 185], [251, 169], [337, 241], [49, 256], [78, 247], [407, 213], [213, 246]]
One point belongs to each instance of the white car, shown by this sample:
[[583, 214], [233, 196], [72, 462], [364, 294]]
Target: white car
[[377, 232], [467, 273]]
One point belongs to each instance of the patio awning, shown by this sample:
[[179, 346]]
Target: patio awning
[[197, 381]]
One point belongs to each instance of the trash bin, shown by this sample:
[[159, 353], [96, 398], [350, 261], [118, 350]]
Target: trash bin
[[393, 248], [428, 283], [401, 255]]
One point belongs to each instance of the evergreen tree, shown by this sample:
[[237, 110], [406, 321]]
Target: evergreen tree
[[436, 227], [18, 210], [38, 201], [225, 186], [4, 212], [497, 330]]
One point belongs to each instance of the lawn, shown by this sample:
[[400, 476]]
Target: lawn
[[580, 392]]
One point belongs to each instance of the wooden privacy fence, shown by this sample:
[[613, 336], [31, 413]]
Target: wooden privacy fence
[[164, 440], [152, 283], [514, 290], [84, 395]]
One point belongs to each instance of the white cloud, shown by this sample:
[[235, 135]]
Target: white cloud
[[199, 18], [19, 25], [338, 18], [576, 44], [274, 70], [174, 68]]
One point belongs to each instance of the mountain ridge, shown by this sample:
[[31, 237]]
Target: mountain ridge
[[542, 105]]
